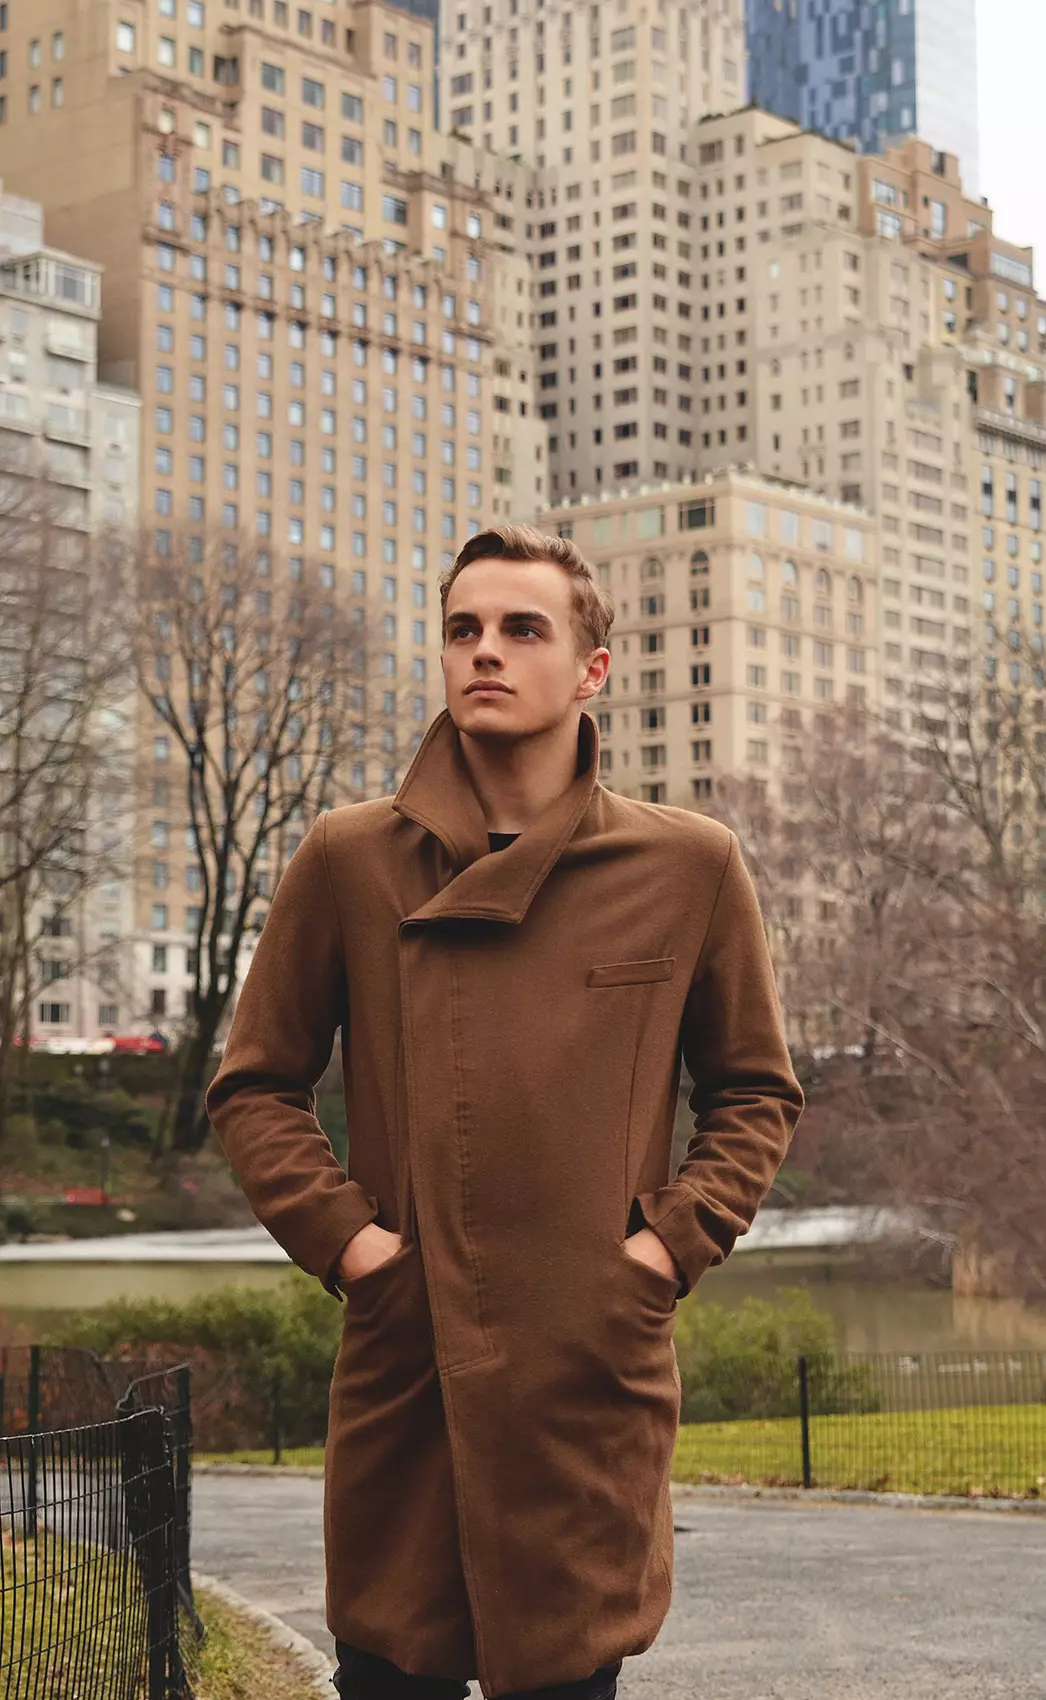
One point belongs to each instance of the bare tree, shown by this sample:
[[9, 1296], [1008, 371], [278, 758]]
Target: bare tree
[[268, 687], [64, 674], [905, 892]]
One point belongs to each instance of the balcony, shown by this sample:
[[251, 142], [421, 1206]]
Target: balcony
[[67, 424], [50, 276], [71, 340], [15, 411], [1011, 425]]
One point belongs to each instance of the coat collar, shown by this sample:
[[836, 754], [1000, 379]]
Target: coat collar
[[438, 794]]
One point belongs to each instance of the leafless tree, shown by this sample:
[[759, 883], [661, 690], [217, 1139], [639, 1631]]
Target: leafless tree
[[64, 678], [904, 887], [268, 687]]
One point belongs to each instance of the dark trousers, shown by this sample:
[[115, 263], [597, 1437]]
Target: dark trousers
[[364, 1676]]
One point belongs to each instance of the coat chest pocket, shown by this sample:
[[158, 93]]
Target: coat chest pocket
[[631, 973]]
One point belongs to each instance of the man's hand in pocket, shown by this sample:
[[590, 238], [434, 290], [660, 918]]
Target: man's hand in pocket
[[367, 1250], [646, 1247]]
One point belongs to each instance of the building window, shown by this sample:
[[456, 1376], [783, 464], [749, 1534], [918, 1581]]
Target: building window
[[124, 38]]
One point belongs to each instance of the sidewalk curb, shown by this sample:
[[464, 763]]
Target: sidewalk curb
[[682, 1491], [280, 1633], [205, 1469], [733, 1490]]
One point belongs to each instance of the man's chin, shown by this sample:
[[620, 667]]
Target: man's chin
[[490, 717]]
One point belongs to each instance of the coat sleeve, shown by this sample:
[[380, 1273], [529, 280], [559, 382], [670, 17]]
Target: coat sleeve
[[262, 1101], [746, 1098]]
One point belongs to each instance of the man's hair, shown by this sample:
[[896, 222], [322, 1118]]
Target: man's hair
[[592, 607]]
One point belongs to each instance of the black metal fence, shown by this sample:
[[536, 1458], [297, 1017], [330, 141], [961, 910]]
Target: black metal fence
[[169, 1390], [95, 1591], [960, 1422]]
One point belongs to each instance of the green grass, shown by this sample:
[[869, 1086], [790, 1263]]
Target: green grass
[[71, 1603], [310, 1456], [64, 1610], [982, 1450], [237, 1662]]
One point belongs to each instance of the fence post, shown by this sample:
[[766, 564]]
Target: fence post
[[804, 1421], [182, 1440], [277, 1415], [32, 1425], [147, 1477]]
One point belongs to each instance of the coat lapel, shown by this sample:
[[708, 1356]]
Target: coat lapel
[[437, 793]]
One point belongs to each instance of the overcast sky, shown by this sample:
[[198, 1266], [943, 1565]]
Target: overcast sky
[[1011, 54]]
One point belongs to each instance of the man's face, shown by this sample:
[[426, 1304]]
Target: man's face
[[509, 623]]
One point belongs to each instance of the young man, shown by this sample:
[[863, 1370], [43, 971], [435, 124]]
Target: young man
[[506, 1395]]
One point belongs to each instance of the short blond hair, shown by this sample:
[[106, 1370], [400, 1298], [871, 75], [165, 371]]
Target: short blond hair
[[592, 607]]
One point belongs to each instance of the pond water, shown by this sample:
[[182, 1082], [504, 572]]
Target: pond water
[[871, 1311], [874, 1313]]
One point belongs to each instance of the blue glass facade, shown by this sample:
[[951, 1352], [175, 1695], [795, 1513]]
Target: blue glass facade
[[872, 70]]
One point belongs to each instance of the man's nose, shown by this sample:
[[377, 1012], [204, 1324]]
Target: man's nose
[[488, 649]]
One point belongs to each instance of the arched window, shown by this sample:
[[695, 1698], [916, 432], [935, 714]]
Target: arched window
[[822, 582], [651, 568], [790, 604], [855, 589], [698, 563], [754, 567]]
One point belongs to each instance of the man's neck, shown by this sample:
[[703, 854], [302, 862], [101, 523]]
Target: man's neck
[[516, 780]]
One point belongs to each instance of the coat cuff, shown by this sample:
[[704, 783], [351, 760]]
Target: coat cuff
[[346, 1211], [671, 1212]]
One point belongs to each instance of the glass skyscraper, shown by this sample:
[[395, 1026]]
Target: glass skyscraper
[[872, 70]]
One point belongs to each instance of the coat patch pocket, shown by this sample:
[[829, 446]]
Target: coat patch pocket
[[631, 973]]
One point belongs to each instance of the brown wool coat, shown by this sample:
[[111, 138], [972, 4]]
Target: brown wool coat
[[506, 1394]]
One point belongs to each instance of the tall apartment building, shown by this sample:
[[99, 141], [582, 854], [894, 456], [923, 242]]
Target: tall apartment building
[[870, 73], [983, 299], [305, 295], [519, 438], [746, 608], [846, 319], [59, 425], [598, 101]]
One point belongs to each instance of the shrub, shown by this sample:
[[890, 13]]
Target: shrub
[[742, 1363], [732, 1363], [235, 1340], [80, 1111]]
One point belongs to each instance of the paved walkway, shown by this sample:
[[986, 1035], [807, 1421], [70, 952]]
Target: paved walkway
[[774, 1600]]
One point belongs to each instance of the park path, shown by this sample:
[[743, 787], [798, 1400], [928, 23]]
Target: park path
[[774, 1599]]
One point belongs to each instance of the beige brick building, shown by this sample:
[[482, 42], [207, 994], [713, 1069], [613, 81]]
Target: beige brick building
[[600, 102], [746, 608], [306, 291], [59, 424], [853, 335]]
